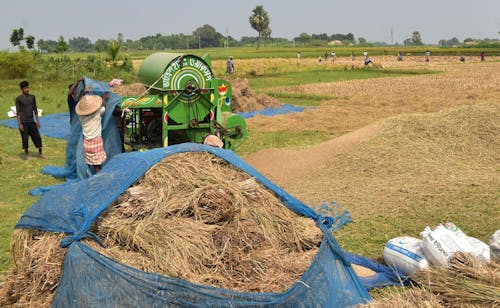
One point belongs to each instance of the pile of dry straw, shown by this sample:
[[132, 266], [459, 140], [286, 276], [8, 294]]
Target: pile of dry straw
[[246, 100], [467, 282], [191, 216]]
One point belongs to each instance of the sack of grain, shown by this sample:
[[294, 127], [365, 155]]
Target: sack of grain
[[405, 253], [480, 249], [495, 245], [440, 244]]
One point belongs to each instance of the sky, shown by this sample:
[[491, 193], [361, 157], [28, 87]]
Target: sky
[[388, 21]]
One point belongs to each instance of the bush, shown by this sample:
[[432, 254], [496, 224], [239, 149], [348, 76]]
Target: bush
[[15, 65]]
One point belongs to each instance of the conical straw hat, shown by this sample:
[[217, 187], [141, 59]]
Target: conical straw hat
[[88, 104]]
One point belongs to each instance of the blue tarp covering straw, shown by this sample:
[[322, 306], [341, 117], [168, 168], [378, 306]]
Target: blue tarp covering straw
[[90, 279]]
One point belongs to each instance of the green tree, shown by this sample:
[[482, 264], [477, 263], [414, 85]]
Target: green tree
[[17, 36], [113, 50], [80, 44], [61, 46], [362, 40], [416, 38], [30, 42], [101, 45], [259, 20], [47, 45], [302, 38], [208, 36]]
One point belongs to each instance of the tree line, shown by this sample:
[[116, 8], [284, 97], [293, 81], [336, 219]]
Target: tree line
[[205, 36]]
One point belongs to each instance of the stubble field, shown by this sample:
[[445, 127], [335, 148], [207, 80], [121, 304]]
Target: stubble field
[[413, 151]]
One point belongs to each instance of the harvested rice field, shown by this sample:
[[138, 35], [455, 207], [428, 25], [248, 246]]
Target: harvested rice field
[[410, 151]]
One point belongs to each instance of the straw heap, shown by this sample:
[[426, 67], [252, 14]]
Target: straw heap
[[191, 216], [467, 282]]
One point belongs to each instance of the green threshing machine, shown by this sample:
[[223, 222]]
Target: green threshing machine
[[184, 102]]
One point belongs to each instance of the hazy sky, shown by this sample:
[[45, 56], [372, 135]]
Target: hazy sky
[[371, 19]]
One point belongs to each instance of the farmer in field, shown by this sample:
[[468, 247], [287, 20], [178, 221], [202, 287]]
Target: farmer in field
[[72, 99], [230, 65], [367, 60], [74, 137], [90, 109], [427, 56], [27, 118]]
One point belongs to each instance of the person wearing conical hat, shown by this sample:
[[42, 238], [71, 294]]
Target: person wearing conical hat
[[90, 109]]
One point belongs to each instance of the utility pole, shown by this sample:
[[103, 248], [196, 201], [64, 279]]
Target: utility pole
[[199, 41], [392, 36], [227, 37]]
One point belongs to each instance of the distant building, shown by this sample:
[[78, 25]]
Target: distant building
[[335, 43]]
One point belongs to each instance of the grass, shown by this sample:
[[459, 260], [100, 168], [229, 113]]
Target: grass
[[282, 139], [300, 99], [314, 76], [18, 177], [50, 95]]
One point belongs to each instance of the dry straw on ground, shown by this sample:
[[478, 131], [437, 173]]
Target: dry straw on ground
[[245, 99], [467, 282], [133, 89], [357, 103], [191, 216]]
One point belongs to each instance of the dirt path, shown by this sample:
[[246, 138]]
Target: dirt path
[[285, 166]]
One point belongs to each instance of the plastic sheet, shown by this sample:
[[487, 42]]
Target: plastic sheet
[[90, 279]]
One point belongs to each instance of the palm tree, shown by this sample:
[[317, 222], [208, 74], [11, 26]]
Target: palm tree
[[259, 21], [113, 51]]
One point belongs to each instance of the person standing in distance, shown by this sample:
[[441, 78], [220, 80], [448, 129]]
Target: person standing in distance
[[230, 65], [27, 118]]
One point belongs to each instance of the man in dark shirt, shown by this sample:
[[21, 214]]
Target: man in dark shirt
[[27, 118]]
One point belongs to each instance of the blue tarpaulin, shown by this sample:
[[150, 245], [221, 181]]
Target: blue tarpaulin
[[90, 279], [283, 109], [58, 125], [51, 125], [384, 276]]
